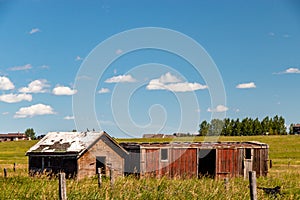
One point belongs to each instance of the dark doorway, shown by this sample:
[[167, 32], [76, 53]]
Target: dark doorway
[[207, 162], [100, 163]]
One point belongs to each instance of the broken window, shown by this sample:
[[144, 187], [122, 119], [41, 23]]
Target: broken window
[[248, 154], [164, 154]]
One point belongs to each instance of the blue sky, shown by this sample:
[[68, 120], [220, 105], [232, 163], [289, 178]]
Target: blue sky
[[44, 44]]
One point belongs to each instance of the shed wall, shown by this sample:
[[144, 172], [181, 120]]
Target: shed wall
[[87, 162]]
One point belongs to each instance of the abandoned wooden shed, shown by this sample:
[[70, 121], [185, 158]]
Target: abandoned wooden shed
[[78, 154], [218, 160]]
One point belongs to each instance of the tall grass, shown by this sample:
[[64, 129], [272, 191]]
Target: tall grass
[[284, 151]]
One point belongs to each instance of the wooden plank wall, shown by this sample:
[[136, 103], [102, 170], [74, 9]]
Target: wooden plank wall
[[181, 163]]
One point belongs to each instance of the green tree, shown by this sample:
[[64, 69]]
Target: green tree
[[291, 132], [265, 123], [204, 128], [216, 126], [227, 128], [257, 128], [30, 133], [237, 127]]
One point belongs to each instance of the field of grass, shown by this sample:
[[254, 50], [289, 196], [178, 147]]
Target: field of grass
[[284, 151]]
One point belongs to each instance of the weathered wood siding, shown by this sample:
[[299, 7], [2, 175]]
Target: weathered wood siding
[[181, 162], [260, 161], [87, 162]]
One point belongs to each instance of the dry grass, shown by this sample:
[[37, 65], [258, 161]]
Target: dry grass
[[284, 151]]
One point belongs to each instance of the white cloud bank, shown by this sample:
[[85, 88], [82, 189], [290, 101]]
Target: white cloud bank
[[34, 110], [219, 108], [121, 79], [174, 84], [37, 86], [63, 90], [21, 68], [103, 91], [14, 98], [6, 84], [246, 85]]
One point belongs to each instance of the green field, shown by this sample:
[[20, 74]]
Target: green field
[[284, 152]]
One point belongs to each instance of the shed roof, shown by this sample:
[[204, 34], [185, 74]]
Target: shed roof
[[201, 145], [65, 142]]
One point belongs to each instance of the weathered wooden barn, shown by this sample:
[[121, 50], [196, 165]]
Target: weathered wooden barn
[[78, 154], [218, 160]]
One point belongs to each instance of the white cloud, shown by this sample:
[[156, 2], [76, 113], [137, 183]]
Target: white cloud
[[169, 78], [44, 67], [292, 71], [21, 68], [103, 90], [219, 108], [36, 86], [14, 98], [173, 85], [69, 118], [6, 84], [246, 85], [5, 113], [78, 58], [34, 30], [63, 90], [271, 34], [119, 51], [34, 110], [120, 79]]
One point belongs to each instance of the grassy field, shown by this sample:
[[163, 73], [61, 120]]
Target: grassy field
[[284, 151]]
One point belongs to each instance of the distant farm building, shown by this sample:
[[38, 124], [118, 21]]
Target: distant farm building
[[296, 129], [78, 154], [13, 137], [81, 154]]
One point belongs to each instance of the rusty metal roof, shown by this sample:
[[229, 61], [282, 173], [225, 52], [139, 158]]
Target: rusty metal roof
[[65, 142]]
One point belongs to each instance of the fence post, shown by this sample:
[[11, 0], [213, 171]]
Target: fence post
[[226, 183], [99, 177], [62, 186], [271, 164], [111, 176], [252, 182], [14, 167], [5, 172]]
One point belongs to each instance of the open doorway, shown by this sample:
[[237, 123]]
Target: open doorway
[[100, 163], [207, 162]]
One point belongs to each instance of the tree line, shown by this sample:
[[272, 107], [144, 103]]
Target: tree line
[[246, 126]]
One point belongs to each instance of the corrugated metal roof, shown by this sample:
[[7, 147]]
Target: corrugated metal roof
[[65, 142]]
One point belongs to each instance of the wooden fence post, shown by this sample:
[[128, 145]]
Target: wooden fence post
[[62, 186], [99, 177], [252, 182], [226, 180], [271, 164], [5, 172], [111, 176], [14, 167]]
